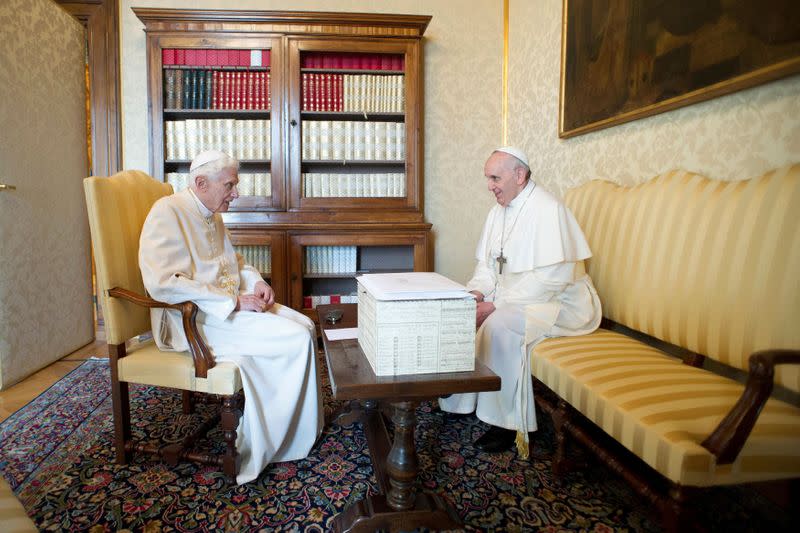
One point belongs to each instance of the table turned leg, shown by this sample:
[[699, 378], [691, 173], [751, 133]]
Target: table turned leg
[[399, 508], [401, 464]]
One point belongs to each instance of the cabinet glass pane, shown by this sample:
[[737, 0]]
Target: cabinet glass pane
[[353, 132], [218, 99], [258, 256], [329, 272]]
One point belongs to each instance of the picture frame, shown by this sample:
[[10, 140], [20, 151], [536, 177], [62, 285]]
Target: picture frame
[[622, 60]]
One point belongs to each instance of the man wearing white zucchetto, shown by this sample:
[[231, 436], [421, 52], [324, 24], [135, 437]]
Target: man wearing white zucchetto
[[530, 284], [185, 253]]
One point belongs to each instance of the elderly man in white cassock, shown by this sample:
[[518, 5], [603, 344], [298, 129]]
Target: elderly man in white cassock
[[530, 285], [185, 253]]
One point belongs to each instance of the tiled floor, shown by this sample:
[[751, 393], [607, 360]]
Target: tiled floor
[[26, 390]]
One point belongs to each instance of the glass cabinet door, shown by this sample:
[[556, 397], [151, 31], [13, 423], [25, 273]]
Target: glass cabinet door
[[352, 134], [222, 95], [324, 267]]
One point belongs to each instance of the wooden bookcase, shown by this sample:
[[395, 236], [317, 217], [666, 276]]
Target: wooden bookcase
[[342, 149]]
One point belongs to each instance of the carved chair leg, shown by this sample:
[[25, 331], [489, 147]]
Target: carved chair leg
[[188, 402], [560, 414], [229, 420]]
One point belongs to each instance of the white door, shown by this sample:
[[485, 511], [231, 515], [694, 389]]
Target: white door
[[45, 276]]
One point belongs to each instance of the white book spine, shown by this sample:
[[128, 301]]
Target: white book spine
[[337, 140], [325, 140], [169, 140], [358, 140], [369, 141]]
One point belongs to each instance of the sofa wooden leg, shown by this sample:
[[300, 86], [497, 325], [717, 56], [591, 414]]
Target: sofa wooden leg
[[229, 421], [674, 510]]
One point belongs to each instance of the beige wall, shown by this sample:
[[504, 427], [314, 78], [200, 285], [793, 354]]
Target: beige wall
[[732, 137], [463, 63]]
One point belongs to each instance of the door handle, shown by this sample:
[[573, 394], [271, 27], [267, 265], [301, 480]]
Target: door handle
[[4, 187]]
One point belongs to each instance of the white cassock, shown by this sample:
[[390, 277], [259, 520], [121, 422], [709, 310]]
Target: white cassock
[[185, 253], [543, 292]]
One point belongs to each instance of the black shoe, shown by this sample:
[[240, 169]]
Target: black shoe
[[496, 439]]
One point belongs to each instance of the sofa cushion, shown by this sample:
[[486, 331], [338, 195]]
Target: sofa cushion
[[661, 409], [705, 264]]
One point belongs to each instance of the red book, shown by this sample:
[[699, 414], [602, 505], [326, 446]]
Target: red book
[[212, 57], [244, 58], [168, 56], [268, 90], [374, 62], [215, 90], [336, 60], [190, 56], [248, 100], [237, 90], [327, 61], [180, 56], [339, 92], [348, 61], [202, 57], [336, 298], [314, 96], [327, 84], [222, 57], [304, 92], [307, 302], [386, 62]]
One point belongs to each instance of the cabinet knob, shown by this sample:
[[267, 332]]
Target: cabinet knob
[[293, 122]]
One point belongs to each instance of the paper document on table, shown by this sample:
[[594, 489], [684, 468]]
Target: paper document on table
[[341, 334], [413, 286]]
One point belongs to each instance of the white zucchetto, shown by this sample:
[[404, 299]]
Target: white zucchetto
[[206, 157], [516, 152]]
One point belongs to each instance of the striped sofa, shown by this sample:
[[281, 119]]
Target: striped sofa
[[707, 270]]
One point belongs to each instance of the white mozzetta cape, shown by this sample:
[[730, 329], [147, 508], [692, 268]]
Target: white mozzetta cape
[[185, 253]]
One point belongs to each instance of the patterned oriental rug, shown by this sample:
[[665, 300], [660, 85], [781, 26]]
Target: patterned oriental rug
[[56, 454]]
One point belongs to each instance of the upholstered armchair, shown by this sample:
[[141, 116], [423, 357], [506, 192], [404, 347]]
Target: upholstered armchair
[[117, 207]]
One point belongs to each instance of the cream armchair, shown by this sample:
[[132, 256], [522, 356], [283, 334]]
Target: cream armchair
[[117, 208]]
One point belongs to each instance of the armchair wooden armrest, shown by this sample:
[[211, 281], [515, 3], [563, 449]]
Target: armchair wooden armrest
[[203, 359], [727, 440]]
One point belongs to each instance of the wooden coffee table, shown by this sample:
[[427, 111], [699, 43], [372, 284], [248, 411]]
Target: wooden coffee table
[[397, 507]]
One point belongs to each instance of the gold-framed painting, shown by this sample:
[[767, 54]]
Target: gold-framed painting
[[626, 59]]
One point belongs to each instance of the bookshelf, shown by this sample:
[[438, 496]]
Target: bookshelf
[[323, 110]]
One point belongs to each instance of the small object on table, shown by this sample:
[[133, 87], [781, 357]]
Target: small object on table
[[334, 316]]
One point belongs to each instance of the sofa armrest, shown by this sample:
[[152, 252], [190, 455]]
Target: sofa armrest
[[727, 440], [203, 359]]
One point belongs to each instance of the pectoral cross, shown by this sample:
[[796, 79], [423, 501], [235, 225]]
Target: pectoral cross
[[501, 261]]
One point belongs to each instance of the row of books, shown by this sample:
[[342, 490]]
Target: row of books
[[330, 259], [352, 60], [338, 140], [352, 92], [311, 302], [258, 256], [217, 89], [250, 183], [247, 139], [215, 57], [322, 185]]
